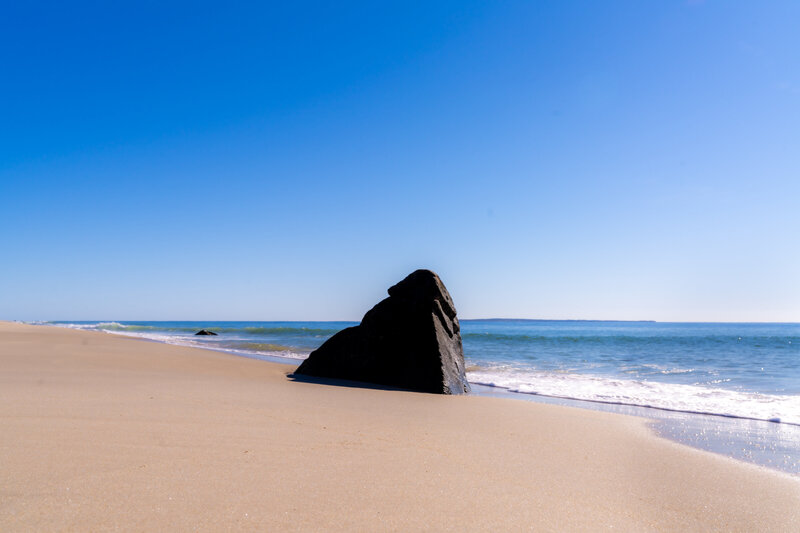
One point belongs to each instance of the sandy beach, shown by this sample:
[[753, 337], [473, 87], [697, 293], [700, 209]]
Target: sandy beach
[[101, 432]]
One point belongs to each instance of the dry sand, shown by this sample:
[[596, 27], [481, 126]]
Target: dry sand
[[103, 432]]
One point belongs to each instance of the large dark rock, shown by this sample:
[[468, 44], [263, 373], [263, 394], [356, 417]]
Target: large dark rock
[[410, 340], [205, 332]]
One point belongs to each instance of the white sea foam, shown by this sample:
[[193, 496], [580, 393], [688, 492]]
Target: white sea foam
[[279, 354], [671, 396], [181, 340]]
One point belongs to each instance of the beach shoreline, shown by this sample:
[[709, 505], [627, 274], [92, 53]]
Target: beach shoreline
[[757, 441], [104, 431]]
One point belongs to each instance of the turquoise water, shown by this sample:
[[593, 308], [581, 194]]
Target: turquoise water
[[749, 371]]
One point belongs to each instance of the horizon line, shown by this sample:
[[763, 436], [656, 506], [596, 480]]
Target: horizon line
[[487, 319]]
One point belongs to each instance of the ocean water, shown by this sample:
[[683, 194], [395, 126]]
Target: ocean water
[[749, 371], [730, 388]]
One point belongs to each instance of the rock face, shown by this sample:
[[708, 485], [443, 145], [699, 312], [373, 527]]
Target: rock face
[[410, 340], [205, 332]]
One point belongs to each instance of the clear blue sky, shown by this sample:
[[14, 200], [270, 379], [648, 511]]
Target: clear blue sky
[[628, 160]]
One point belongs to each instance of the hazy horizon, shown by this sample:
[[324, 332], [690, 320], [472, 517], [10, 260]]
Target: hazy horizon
[[462, 319]]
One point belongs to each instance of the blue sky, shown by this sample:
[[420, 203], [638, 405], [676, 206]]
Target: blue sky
[[609, 160]]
